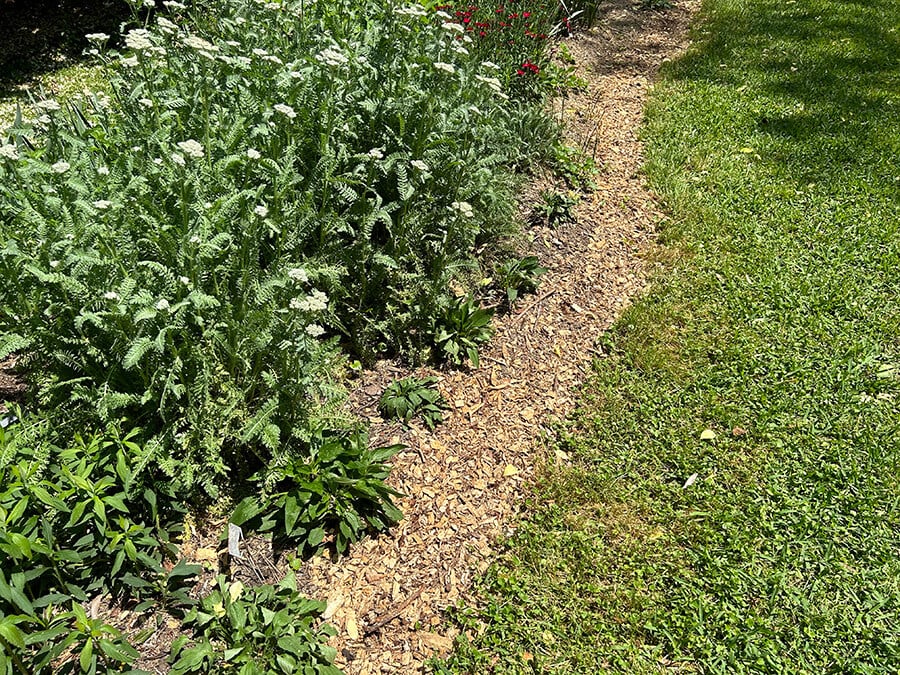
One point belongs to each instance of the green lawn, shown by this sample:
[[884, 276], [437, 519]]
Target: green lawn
[[775, 143]]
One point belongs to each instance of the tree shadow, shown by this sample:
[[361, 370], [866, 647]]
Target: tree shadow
[[37, 36], [832, 79]]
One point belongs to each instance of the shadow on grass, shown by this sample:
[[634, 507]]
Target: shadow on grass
[[37, 36], [833, 75]]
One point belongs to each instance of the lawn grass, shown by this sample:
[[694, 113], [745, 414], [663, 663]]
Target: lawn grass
[[771, 544]]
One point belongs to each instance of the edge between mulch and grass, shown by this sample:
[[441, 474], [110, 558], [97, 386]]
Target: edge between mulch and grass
[[731, 503]]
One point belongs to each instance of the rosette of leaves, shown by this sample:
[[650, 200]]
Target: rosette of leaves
[[337, 489], [461, 329], [519, 275], [414, 397], [266, 630]]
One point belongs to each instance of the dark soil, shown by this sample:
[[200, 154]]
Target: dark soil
[[37, 36]]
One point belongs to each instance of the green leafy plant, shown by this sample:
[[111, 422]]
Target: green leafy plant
[[556, 207], [265, 630], [413, 397], [462, 328], [574, 166], [656, 4], [75, 524], [339, 489], [519, 275]]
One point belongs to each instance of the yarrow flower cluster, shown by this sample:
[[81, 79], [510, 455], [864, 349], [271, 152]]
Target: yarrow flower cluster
[[166, 26], [9, 151], [102, 204], [261, 210], [419, 164], [464, 208], [48, 105], [97, 37], [314, 330], [138, 39], [316, 301], [331, 56], [446, 67], [253, 154], [376, 153], [411, 10], [191, 148], [298, 274], [285, 110], [492, 82], [61, 167]]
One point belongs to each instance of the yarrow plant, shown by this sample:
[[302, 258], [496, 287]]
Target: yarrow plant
[[218, 228]]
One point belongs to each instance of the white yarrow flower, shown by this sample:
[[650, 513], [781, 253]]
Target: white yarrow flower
[[103, 170], [130, 62], [138, 39], [191, 148], [376, 153], [162, 305], [490, 64], [285, 110], [419, 164], [331, 56], [111, 295], [97, 37], [198, 43], [446, 67], [452, 27], [166, 26], [194, 239], [102, 204], [178, 158], [464, 208], [492, 82], [61, 167], [49, 105], [298, 274], [253, 154], [9, 151], [262, 211], [314, 330]]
